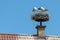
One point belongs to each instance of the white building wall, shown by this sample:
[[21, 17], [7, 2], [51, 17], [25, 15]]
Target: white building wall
[[27, 37], [53, 38]]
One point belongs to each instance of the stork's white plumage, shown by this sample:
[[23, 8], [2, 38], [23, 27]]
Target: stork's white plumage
[[35, 9], [42, 8]]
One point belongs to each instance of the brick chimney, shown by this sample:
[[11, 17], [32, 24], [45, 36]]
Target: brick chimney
[[41, 31]]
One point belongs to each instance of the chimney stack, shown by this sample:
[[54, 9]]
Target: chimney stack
[[40, 31]]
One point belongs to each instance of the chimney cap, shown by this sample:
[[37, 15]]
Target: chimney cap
[[37, 27]]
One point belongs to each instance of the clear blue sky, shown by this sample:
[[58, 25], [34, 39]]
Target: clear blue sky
[[15, 16]]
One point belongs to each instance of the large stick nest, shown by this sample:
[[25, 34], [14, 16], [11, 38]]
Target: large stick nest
[[40, 17]]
